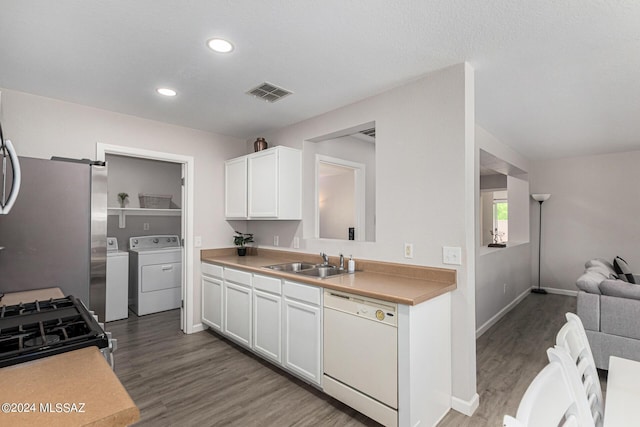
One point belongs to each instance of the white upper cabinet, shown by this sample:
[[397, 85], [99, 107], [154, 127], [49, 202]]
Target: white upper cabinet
[[235, 191], [264, 185]]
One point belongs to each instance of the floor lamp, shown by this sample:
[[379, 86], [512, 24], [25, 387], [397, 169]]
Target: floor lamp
[[540, 198]]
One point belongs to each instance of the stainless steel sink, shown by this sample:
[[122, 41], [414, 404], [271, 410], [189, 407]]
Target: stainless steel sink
[[323, 272], [291, 266], [320, 271]]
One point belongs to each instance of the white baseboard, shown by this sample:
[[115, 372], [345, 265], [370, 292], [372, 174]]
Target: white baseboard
[[198, 328], [561, 291], [499, 315], [466, 407]]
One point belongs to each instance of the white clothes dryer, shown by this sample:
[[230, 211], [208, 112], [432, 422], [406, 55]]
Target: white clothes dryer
[[155, 274]]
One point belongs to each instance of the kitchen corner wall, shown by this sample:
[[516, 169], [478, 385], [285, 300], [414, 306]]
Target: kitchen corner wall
[[592, 213], [43, 127], [503, 275], [424, 190]]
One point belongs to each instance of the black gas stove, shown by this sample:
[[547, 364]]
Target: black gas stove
[[33, 330]]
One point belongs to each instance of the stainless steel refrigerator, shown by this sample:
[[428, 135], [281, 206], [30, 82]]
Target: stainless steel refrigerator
[[55, 234]]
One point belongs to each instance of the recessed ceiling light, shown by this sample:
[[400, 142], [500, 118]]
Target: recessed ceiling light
[[166, 91], [220, 45]]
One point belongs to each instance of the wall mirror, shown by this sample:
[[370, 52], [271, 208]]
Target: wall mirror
[[344, 183]]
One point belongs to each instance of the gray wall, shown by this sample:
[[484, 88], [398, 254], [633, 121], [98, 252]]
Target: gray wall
[[510, 266], [424, 131], [41, 127], [593, 212], [133, 176]]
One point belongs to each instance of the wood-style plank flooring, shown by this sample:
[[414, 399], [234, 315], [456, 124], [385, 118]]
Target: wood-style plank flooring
[[205, 380]]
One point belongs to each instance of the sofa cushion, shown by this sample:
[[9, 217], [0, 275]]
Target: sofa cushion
[[620, 289], [595, 262], [622, 268], [619, 316], [589, 310], [589, 282]]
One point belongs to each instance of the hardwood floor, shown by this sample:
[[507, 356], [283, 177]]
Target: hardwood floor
[[510, 355], [205, 380]]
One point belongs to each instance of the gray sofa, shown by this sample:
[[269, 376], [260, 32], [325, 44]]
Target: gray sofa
[[610, 311]]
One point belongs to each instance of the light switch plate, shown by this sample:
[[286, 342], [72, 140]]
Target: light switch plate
[[452, 255], [197, 241]]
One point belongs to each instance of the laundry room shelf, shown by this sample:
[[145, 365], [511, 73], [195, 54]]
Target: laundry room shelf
[[124, 212]]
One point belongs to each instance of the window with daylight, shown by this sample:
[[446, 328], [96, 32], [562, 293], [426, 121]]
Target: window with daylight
[[501, 218]]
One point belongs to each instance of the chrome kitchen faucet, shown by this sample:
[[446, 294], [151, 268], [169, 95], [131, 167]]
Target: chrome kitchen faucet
[[325, 258]]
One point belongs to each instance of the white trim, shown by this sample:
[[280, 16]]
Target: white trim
[[187, 214], [198, 328], [466, 407], [489, 323], [557, 291]]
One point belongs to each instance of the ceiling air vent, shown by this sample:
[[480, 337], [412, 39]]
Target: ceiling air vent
[[268, 92], [369, 132]]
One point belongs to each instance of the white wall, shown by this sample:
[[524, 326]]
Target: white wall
[[41, 127], [354, 150], [424, 131], [496, 267], [593, 212], [337, 208]]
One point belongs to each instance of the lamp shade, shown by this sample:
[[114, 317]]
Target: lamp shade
[[541, 197]]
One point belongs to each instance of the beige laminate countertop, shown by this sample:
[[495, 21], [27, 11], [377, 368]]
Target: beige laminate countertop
[[389, 282], [30, 296], [76, 388]]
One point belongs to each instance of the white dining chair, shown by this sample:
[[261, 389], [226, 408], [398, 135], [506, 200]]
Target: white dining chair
[[573, 338], [583, 406], [548, 401]]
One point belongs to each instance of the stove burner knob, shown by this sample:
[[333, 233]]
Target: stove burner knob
[[155, 240], [135, 241], [168, 239]]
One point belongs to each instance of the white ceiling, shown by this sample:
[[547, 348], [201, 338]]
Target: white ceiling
[[553, 78]]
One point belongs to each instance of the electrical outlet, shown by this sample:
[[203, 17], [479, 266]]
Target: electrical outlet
[[452, 255], [145, 226], [197, 241], [408, 250], [276, 240], [296, 242]]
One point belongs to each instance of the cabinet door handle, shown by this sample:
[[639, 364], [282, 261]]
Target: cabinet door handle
[[167, 267]]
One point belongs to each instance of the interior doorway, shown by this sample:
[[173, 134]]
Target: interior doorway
[[186, 223]]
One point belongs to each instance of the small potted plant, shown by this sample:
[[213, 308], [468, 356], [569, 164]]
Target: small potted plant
[[123, 198], [240, 239]]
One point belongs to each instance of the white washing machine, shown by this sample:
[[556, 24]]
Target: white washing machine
[[117, 282], [155, 273]]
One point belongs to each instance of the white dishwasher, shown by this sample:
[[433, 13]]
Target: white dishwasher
[[361, 354]]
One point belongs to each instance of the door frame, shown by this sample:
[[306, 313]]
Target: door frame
[[187, 162]]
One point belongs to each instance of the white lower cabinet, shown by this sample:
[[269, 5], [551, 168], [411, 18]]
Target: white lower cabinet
[[212, 302], [280, 321], [303, 331], [237, 306], [267, 317]]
